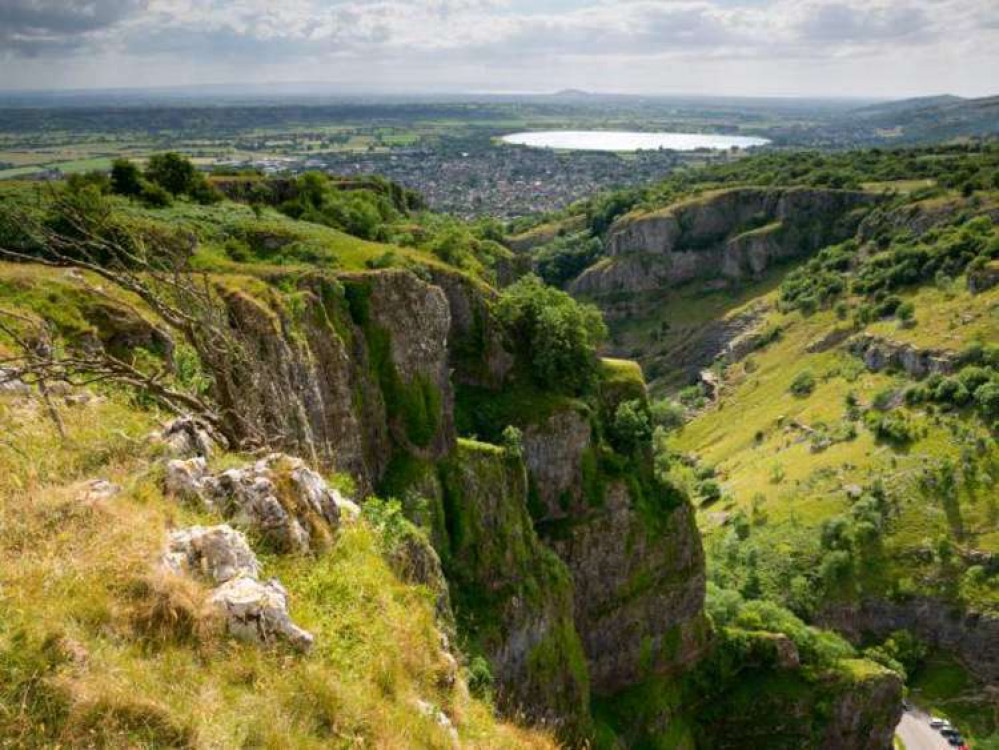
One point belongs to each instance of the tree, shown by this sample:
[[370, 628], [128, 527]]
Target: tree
[[556, 335], [171, 171], [247, 404], [126, 179]]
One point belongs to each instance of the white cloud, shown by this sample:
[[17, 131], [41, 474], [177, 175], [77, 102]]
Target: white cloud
[[452, 41]]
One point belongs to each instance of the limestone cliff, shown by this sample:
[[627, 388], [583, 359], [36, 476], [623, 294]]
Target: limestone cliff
[[512, 594], [356, 368], [631, 545], [725, 235]]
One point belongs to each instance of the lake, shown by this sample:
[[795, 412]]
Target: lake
[[615, 140]]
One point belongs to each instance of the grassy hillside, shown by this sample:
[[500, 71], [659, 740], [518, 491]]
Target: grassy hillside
[[97, 649]]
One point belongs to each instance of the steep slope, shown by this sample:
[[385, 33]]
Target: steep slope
[[853, 438], [573, 564]]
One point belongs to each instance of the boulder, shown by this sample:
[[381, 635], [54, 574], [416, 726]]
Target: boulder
[[10, 383], [186, 437], [216, 554], [278, 497], [258, 612]]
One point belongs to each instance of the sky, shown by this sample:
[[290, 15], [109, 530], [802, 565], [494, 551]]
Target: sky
[[833, 48]]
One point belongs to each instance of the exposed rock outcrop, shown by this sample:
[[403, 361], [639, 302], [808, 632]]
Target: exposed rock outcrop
[[476, 346], [219, 555], [357, 369], [639, 588], [730, 234], [856, 707], [883, 354], [278, 497], [258, 612], [186, 437], [636, 561], [972, 636], [215, 553], [555, 452]]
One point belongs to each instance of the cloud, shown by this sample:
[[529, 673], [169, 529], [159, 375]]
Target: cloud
[[491, 39], [35, 27]]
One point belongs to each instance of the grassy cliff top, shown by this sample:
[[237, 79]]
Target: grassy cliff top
[[96, 648]]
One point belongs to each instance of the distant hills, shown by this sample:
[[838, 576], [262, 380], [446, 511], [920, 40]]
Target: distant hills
[[926, 119]]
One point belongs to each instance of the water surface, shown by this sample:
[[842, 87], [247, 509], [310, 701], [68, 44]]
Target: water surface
[[619, 140]]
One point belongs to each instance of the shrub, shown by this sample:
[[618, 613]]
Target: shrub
[[709, 490], [631, 427], [803, 384], [951, 391], [987, 399], [201, 191], [512, 440], [667, 414], [891, 427], [153, 195], [126, 179], [172, 172], [974, 377], [906, 312]]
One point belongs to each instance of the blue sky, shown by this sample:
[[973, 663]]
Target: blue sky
[[883, 48]]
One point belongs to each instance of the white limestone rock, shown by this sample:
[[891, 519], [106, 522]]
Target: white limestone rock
[[215, 553], [258, 612], [186, 437], [278, 496]]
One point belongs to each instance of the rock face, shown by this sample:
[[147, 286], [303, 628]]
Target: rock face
[[636, 561], [776, 706], [477, 351], [973, 637], [883, 354], [278, 497], [357, 370], [554, 452], [511, 593], [641, 612], [731, 234]]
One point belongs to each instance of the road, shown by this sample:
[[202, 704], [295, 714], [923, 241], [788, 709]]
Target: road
[[917, 734]]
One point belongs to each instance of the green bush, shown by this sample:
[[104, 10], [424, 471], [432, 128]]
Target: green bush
[[891, 427], [803, 384], [153, 195], [631, 427], [556, 335], [126, 178], [172, 172]]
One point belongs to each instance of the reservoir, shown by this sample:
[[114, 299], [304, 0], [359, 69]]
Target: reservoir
[[617, 140]]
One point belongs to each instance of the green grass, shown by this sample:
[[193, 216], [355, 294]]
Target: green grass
[[767, 466]]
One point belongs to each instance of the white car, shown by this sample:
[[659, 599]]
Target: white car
[[937, 723]]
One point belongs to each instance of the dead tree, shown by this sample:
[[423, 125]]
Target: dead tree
[[156, 268]]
